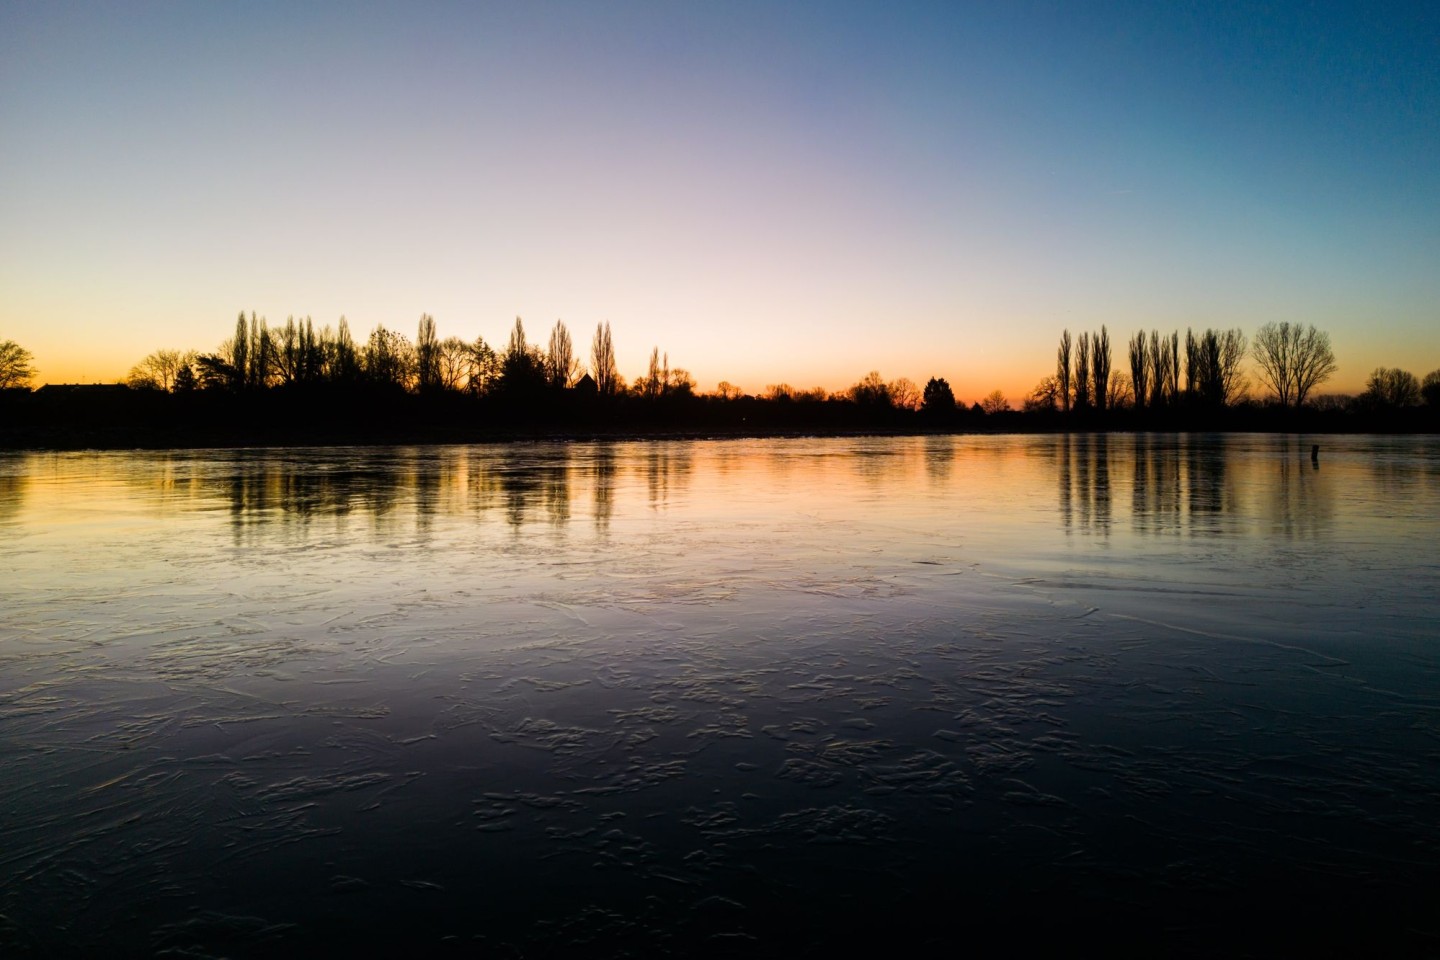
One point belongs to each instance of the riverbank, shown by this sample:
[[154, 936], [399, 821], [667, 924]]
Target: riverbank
[[115, 418]]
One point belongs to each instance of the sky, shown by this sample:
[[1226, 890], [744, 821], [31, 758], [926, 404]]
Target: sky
[[768, 192]]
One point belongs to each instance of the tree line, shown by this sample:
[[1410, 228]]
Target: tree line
[[301, 373], [1204, 373]]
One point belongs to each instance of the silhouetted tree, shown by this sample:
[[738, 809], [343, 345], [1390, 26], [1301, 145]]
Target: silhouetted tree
[[310, 363], [389, 359], [1062, 370], [185, 381], [1430, 388], [287, 352], [871, 391], [261, 355], [17, 367], [904, 395], [938, 398], [427, 356], [560, 360], [453, 360], [1390, 388], [1164, 368], [1044, 398], [522, 369], [214, 372], [344, 357], [1140, 369], [240, 354], [483, 371], [1214, 360], [651, 385], [1081, 386], [679, 383], [1120, 393], [602, 362], [1100, 365], [779, 391], [996, 402], [726, 390], [1192, 364], [158, 370], [1292, 360]]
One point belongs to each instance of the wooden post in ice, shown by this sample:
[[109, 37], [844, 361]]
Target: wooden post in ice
[[1315, 454]]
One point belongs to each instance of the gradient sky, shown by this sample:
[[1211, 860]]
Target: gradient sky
[[770, 192]]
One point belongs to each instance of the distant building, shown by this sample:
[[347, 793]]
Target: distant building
[[87, 390], [586, 386]]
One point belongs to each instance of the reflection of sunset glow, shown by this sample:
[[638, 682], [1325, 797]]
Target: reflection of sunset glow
[[1007, 495], [338, 697]]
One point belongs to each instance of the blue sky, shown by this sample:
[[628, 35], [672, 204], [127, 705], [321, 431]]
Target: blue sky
[[769, 192]]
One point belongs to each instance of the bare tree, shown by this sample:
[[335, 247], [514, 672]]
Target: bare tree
[[651, 385], [16, 365], [389, 358], [1390, 388], [1121, 392], [1062, 370], [240, 353], [996, 402], [1100, 368], [1140, 368], [728, 391], [344, 357], [452, 357], [1292, 360], [1429, 388], [1082, 373], [159, 370], [1044, 397], [427, 355], [261, 371], [871, 391], [904, 394], [1213, 360], [560, 360], [602, 361]]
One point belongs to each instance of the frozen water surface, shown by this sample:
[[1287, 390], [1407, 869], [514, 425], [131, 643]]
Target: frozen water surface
[[1148, 694]]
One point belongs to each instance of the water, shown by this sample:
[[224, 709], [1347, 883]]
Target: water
[[758, 697]]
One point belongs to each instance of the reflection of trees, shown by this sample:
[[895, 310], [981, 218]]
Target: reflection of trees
[[1299, 505], [667, 464], [1402, 471], [1085, 498], [266, 488], [602, 459], [939, 459], [1210, 495], [1155, 487], [13, 477], [536, 482]]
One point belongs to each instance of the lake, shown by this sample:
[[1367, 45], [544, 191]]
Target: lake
[[1153, 694]]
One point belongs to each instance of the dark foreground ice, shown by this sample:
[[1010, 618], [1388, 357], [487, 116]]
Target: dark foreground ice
[[1147, 695]]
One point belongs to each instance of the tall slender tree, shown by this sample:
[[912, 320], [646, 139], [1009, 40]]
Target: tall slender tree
[[427, 356], [240, 354], [1140, 369], [1100, 367], [602, 361], [1082, 372], [560, 359], [1062, 370]]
